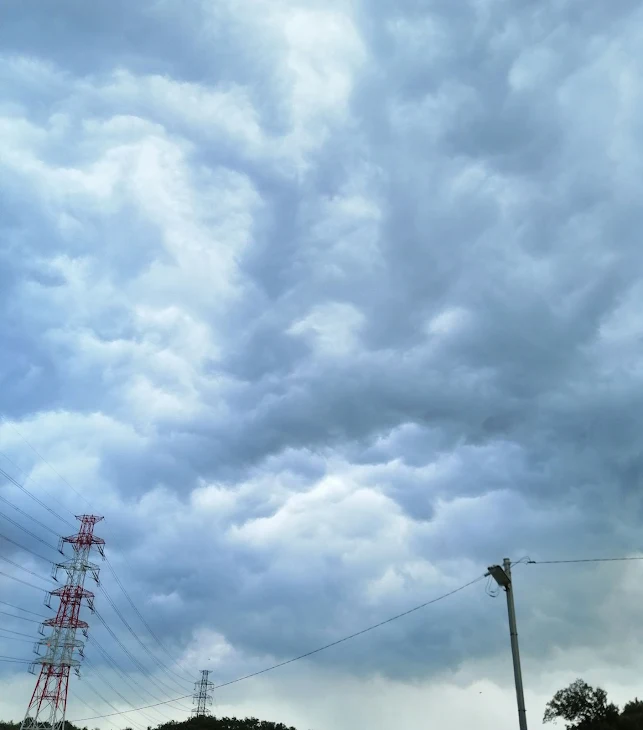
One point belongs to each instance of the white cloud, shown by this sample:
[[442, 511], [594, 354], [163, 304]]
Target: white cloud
[[332, 328]]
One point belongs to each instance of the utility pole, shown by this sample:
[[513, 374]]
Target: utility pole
[[202, 695], [48, 702], [502, 576]]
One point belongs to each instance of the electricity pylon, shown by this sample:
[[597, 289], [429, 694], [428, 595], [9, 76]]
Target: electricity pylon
[[48, 702], [202, 695]]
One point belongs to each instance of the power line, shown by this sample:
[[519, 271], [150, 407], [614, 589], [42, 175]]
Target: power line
[[11, 461], [15, 638], [128, 681], [27, 515], [17, 633], [107, 702], [158, 662], [22, 488], [93, 709], [127, 702], [26, 549], [160, 685], [32, 495], [582, 560], [22, 618], [137, 709], [357, 633], [116, 578], [40, 456], [24, 610], [24, 582], [24, 529], [26, 570], [309, 653], [7, 476], [145, 623], [157, 682]]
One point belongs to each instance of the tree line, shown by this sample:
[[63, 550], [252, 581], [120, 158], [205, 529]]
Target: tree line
[[194, 723]]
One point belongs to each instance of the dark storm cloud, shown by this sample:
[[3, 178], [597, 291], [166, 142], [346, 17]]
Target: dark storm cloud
[[206, 39], [382, 316]]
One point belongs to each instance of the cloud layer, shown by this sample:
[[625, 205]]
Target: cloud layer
[[326, 307]]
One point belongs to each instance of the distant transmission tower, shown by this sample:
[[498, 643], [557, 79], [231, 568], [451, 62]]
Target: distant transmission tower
[[202, 695], [48, 703]]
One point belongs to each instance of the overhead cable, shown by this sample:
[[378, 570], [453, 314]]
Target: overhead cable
[[27, 515], [128, 680], [116, 578], [30, 494], [42, 458], [17, 633], [26, 549], [146, 624], [158, 662], [24, 529], [24, 582], [583, 560], [116, 692], [157, 682], [26, 570], [21, 618], [14, 660], [16, 638], [307, 654], [24, 610]]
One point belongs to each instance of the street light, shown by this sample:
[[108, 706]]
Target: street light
[[499, 575], [502, 576]]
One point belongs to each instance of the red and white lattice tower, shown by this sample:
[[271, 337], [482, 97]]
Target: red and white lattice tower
[[48, 704]]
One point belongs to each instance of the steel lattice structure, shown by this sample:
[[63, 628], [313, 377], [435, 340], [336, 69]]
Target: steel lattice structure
[[48, 703], [202, 695]]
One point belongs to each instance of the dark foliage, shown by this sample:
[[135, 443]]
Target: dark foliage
[[224, 723], [16, 726], [195, 723], [9, 725], [583, 707]]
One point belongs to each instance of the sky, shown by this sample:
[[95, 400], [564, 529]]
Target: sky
[[326, 307]]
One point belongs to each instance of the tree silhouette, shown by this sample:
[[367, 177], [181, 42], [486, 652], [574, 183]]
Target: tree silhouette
[[195, 723], [583, 707]]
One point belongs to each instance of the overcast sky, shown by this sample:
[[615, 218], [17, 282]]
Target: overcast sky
[[326, 306]]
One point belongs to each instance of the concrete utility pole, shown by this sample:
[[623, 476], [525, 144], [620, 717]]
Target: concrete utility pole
[[502, 576]]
